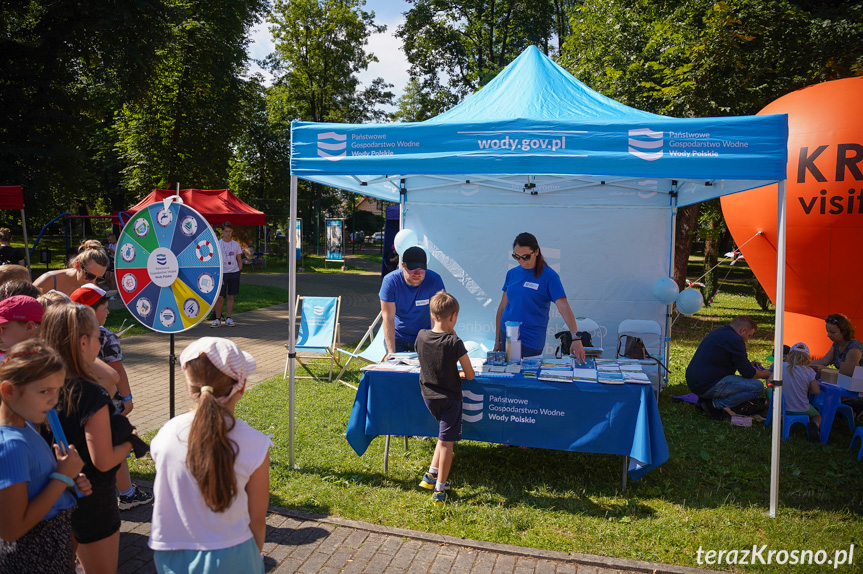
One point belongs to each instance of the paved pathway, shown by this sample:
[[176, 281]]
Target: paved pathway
[[262, 332], [300, 542]]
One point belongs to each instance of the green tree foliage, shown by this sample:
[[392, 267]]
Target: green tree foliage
[[260, 167], [319, 52], [65, 65], [696, 58], [455, 47], [183, 131]]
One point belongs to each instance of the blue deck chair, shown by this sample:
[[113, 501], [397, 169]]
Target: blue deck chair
[[318, 338], [374, 353]]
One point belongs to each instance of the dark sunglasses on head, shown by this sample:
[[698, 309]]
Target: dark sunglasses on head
[[832, 321], [523, 257]]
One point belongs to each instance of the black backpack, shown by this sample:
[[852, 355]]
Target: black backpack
[[633, 348]]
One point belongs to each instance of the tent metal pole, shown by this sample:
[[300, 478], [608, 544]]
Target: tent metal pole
[[671, 254], [24, 229], [776, 404], [292, 297]]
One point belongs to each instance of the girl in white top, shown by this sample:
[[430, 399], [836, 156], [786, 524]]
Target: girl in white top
[[799, 384], [212, 471]]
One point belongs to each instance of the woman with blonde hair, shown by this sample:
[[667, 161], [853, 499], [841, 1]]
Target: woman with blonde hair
[[87, 267]]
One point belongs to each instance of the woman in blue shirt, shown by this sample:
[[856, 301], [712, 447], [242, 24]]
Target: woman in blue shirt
[[528, 291]]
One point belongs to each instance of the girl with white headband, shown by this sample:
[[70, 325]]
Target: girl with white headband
[[212, 471]]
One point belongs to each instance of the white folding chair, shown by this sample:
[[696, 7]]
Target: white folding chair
[[374, 353], [319, 332], [651, 335], [589, 325]]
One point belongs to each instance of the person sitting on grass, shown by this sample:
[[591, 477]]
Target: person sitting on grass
[[712, 372], [799, 382], [440, 351]]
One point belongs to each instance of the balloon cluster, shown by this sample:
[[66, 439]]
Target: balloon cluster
[[689, 301], [405, 239]]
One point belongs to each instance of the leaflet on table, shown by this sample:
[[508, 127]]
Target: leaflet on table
[[584, 375], [555, 375], [391, 366], [552, 363], [408, 358]]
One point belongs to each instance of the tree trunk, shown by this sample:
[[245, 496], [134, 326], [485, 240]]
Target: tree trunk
[[711, 256], [687, 220]]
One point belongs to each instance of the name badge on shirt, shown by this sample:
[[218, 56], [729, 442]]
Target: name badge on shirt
[[422, 302], [530, 285]]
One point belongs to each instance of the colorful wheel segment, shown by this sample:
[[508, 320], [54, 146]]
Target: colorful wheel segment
[[168, 267]]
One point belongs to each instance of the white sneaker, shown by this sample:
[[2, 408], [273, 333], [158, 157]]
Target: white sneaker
[[229, 322], [216, 323]]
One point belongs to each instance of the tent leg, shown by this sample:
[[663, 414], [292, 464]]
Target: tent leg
[[292, 321], [26, 248], [387, 455], [776, 404]]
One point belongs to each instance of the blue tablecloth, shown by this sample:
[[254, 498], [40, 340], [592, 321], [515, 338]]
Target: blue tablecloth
[[583, 417]]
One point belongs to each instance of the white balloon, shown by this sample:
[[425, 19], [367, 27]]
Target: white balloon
[[689, 301], [404, 239], [665, 290]]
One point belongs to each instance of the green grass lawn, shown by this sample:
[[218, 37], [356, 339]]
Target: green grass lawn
[[712, 493]]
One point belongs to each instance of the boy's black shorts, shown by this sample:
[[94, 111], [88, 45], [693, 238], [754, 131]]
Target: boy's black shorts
[[230, 284], [447, 412]]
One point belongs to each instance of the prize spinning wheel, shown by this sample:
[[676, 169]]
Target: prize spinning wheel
[[168, 267]]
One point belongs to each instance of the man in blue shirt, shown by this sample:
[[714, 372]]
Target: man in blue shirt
[[405, 295], [711, 372]]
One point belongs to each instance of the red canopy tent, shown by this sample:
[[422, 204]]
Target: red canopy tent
[[12, 197], [216, 205]]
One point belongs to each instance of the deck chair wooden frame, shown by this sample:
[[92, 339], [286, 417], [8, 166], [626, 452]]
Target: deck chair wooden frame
[[316, 353], [363, 354]]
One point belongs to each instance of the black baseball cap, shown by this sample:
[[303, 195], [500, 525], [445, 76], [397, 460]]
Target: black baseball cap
[[414, 258]]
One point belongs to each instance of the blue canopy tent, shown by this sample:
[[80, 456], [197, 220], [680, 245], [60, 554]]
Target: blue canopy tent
[[536, 150]]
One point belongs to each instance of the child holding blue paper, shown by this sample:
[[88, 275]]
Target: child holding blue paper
[[84, 410], [35, 482]]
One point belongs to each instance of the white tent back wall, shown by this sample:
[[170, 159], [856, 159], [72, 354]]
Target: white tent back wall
[[608, 275]]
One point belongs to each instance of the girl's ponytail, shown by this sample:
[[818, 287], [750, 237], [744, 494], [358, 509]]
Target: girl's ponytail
[[211, 453]]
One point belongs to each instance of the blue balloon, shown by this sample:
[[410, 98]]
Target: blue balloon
[[404, 239], [665, 290], [689, 301]]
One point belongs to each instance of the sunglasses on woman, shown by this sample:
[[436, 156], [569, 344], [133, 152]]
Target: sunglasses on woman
[[91, 276], [523, 257]]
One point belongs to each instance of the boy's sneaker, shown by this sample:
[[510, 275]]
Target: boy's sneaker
[[137, 498], [428, 481], [229, 322], [439, 497], [216, 323]]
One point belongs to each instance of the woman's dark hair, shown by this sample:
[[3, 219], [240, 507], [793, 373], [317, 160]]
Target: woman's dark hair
[[212, 453], [843, 323], [528, 240]]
